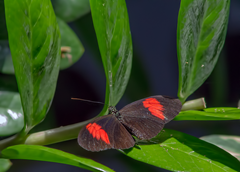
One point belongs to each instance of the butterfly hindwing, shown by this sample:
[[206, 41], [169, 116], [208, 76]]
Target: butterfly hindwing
[[145, 118], [103, 133]]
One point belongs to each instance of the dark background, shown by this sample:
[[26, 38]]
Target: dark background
[[155, 72]]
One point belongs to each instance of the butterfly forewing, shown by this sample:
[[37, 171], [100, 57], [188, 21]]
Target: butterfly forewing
[[145, 118], [103, 133]]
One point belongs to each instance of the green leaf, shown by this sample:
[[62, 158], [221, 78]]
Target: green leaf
[[41, 153], [69, 39], [176, 151], [70, 10], [34, 40], [4, 165], [219, 113], [11, 115], [138, 85], [201, 32], [6, 65], [110, 19], [231, 144]]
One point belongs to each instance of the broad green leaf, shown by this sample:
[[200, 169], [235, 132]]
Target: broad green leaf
[[69, 39], [70, 10], [219, 113], [176, 151], [110, 19], [4, 165], [34, 40], [6, 65], [41, 153], [138, 85], [11, 115], [201, 32], [230, 144]]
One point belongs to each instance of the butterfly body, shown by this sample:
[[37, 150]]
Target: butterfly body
[[144, 119]]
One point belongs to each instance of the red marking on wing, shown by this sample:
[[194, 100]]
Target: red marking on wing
[[94, 133], [98, 135], [154, 107], [88, 125], [97, 132]]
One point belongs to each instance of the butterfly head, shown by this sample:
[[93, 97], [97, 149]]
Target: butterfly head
[[113, 110]]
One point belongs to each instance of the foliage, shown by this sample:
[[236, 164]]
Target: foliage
[[201, 33], [35, 37], [12, 120], [41, 153]]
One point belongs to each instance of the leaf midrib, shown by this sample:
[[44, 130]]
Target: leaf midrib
[[194, 59]]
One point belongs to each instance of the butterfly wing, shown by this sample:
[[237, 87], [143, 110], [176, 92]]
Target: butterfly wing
[[145, 118], [103, 133]]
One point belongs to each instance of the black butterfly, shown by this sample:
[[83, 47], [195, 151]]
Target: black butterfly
[[144, 119]]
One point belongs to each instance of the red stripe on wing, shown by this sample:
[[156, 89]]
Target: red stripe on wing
[[97, 132], [155, 107]]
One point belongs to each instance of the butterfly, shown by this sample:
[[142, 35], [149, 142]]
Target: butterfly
[[144, 119]]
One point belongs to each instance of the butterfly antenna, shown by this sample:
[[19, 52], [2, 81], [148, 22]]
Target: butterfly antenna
[[88, 101]]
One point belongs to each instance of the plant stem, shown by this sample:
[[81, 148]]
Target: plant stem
[[71, 131], [55, 135], [45, 137], [196, 104], [13, 140], [7, 142]]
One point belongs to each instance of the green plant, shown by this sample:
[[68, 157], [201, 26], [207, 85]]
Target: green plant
[[34, 38]]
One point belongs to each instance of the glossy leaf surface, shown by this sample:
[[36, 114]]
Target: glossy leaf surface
[[202, 26], [70, 10], [4, 165], [41, 153], [110, 19], [138, 85], [34, 40], [176, 151], [11, 114], [219, 113], [229, 143], [69, 39]]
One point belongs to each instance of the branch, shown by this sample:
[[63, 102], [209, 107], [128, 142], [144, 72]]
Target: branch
[[71, 131]]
